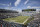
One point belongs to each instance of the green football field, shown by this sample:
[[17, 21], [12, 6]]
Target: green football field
[[19, 19]]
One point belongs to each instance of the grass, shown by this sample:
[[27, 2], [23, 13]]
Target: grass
[[19, 19]]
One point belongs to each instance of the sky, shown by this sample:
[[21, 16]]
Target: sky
[[19, 4]]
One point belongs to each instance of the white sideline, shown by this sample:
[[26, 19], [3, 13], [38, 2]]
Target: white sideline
[[25, 20]]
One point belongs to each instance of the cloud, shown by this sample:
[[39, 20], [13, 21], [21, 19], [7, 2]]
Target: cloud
[[9, 7], [19, 10], [29, 7], [6, 8], [10, 3], [26, 2], [17, 2], [32, 7], [4, 4], [35, 7]]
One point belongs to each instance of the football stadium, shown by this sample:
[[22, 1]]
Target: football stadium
[[13, 18]]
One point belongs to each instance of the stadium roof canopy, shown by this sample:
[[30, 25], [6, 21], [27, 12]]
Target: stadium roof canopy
[[29, 10], [7, 11]]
